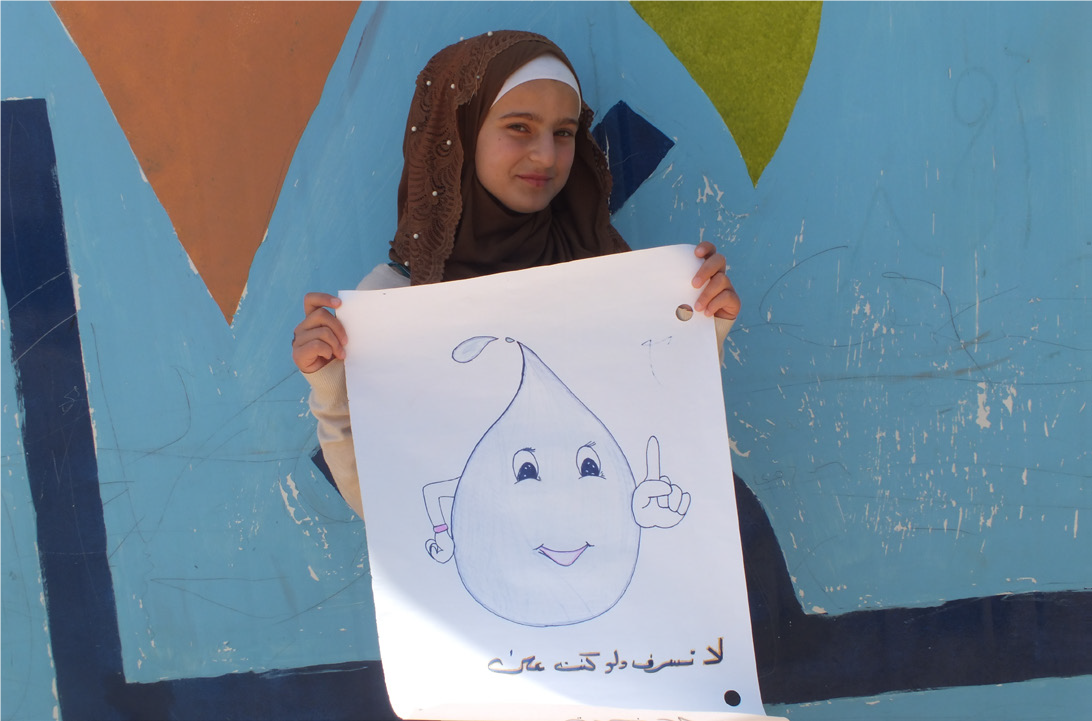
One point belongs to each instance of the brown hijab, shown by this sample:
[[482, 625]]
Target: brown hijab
[[449, 226]]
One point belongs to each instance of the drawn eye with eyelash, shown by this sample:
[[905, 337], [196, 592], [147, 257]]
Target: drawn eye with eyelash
[[587, 460], [524, 465], [562, 549]]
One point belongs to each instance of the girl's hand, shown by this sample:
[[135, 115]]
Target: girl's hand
[[718, 297], [320, 338]]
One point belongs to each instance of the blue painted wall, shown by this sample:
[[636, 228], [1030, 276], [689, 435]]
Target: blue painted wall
[[907, 386]]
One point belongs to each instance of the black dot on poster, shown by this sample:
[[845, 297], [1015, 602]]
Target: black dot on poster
[[732, 698]]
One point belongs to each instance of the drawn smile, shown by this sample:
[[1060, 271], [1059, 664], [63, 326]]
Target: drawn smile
[[563, 558]]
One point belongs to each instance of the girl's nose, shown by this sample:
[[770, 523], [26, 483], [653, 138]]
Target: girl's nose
[[543, 150]]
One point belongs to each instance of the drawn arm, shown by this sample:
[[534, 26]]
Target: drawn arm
[[657, 502], [441, 546]]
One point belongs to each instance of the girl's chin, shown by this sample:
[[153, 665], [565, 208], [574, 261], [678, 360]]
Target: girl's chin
[[528, 202]]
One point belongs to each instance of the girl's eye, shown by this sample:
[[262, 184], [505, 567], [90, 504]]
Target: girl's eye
[[518, 127], [565, 134], [525, 466], [587, 461]]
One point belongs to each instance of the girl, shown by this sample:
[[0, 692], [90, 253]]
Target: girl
[[500, 173]]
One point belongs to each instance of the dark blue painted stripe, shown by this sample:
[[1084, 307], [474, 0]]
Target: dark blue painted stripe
[[634, 148], [57, 438], [320, 693]]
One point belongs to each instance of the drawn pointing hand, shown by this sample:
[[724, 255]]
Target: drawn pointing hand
[[657, 502]]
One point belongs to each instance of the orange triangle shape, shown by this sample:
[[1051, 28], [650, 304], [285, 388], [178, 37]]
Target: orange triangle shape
[[213, 97]]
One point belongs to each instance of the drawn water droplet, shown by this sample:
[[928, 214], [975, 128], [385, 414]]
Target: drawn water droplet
[[471, 348], [510, 530]]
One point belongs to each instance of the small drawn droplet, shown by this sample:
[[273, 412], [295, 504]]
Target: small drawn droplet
[[732, 698], [471, 348]]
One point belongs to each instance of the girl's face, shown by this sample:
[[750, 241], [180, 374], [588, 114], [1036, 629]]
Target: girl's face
[[526, 144]]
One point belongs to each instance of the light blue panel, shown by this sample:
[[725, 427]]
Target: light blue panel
[[1042, 700], [911, 375]]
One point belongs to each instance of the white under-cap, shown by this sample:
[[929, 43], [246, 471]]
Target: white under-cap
[[544, 67]]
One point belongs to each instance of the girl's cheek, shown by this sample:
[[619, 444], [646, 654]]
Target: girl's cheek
[[567, 156]]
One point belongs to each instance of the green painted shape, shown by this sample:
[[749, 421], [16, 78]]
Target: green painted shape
[[750, 59]]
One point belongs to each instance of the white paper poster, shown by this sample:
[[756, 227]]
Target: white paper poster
[[548, 495]]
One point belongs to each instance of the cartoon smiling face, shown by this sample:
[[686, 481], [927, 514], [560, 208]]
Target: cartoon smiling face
[[543, 531]]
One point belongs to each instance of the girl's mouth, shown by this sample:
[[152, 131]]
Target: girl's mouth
[[538, 181]]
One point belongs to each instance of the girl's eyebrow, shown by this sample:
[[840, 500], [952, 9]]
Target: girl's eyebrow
[[536, 118]]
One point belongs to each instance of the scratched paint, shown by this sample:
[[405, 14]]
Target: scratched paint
[[902, 319], [907, 386]]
